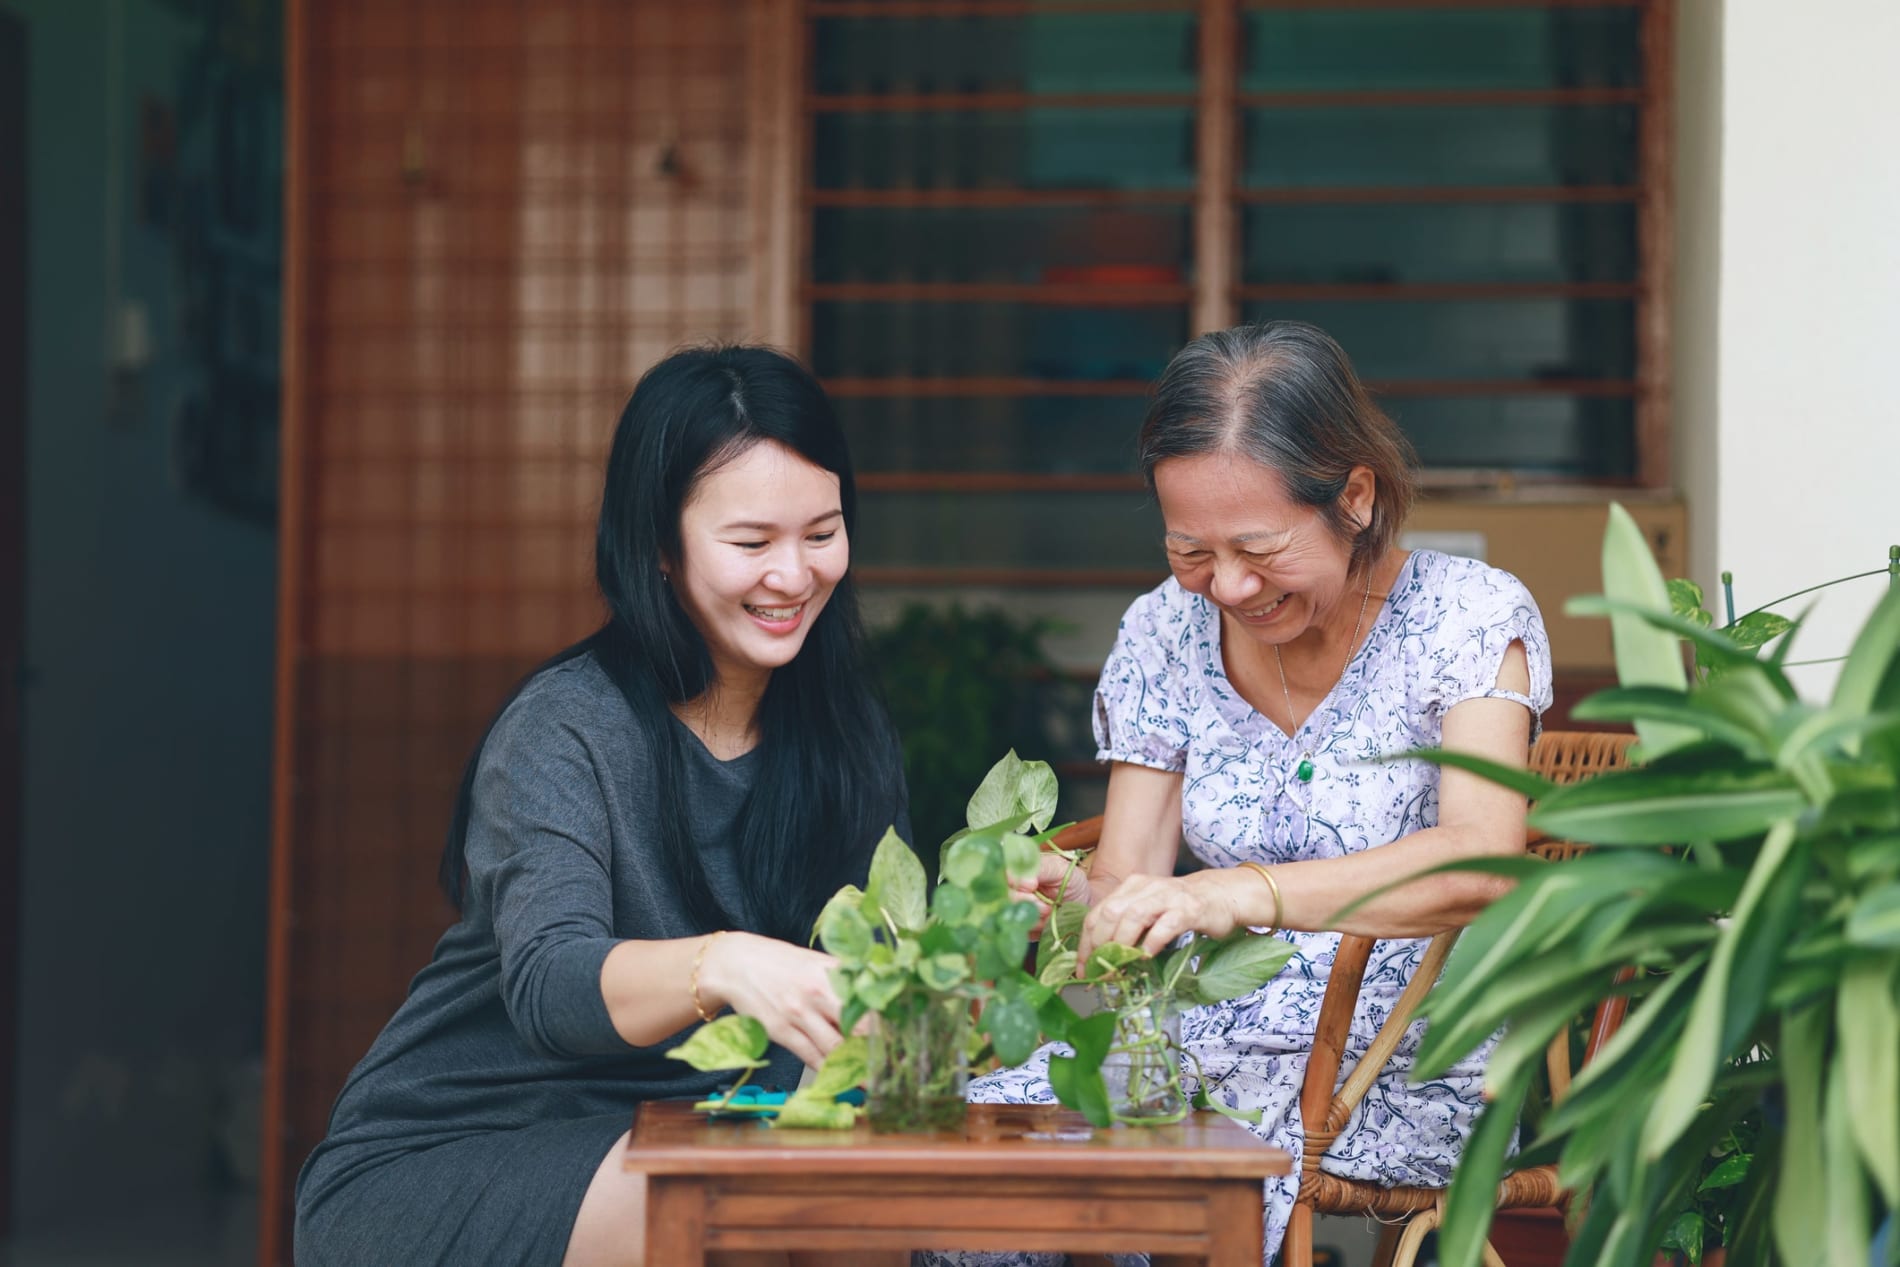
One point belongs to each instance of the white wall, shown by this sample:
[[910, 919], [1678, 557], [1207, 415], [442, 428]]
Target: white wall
[[1790, 242]]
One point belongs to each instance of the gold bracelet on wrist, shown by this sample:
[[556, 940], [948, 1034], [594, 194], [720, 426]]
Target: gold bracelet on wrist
[[1279, 907], [699, 957]]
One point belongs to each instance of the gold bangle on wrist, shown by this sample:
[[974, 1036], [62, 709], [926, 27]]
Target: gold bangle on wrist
[[699, 957], [1279, 906]]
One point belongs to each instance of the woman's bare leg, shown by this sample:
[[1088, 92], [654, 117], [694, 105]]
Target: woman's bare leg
[[611, 1228]]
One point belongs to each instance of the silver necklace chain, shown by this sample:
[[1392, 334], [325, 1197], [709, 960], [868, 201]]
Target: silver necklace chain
[[1303, 770]]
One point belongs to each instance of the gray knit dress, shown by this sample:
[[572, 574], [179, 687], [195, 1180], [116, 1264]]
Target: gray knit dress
[[470, 1131]]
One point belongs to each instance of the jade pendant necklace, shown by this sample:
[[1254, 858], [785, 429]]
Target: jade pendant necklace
[[1303, 771]]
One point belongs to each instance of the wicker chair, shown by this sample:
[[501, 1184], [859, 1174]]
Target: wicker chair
[[1409, 1213]]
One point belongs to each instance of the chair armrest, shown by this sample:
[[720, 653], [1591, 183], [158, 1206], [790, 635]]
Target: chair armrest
[[1333, 1028], [1077, 836]]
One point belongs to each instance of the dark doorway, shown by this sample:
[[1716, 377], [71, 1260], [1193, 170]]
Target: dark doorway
[[12, 559]]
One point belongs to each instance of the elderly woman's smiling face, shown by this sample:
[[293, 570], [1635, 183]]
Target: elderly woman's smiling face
[[1236, 537]]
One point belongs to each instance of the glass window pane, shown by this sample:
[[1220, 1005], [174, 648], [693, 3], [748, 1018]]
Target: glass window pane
[[1068, 52], [879, 340], [1529, 47], [1460, 242], [1042, 435], [1364, 146], [1514, 339], [1555, 436], [1040, 148], [1014, 244], [1087, 531]]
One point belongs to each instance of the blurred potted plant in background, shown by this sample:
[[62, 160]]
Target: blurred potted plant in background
[[961, 684], [1699, 1232]]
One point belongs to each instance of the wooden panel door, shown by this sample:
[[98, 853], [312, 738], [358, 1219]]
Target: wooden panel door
[[499, 215]]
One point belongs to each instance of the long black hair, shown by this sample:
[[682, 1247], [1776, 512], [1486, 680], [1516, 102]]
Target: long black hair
[[829, 778]]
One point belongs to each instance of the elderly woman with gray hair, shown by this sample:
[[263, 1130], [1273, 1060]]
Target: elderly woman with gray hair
[[1242, 707]]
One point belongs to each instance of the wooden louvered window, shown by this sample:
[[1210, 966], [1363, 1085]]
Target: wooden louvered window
[[1018, 211]]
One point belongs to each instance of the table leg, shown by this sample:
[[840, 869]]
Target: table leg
[[1238, 1238], [676, 1221]]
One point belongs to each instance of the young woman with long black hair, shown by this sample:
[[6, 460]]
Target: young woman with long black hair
[[643, 838]]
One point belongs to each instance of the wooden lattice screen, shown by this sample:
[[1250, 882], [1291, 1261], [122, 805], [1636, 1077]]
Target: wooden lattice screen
[[500, 213]]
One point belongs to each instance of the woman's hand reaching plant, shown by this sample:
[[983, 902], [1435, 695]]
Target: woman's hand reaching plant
[[1151, 912], [786, 988], [1059, 881]]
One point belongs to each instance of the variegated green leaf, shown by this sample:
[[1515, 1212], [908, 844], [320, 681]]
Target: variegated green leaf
[[730, 1042], [842, 929], [844, 1068], [1726, 1000], [805, 1111], [1110, 958], [1867, 1018], [1757, 629], [897, 884], [1057, 970], [1685, 600], [1713, 645], [1020, 856]]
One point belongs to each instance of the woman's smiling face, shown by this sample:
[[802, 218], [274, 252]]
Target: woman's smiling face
[[1235, 537], [762, 547]]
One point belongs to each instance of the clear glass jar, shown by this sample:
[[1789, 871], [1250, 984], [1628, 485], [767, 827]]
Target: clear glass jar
[[919, 1069], [1142, 1071]]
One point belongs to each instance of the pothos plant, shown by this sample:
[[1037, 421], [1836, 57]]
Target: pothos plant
[[1144, 996], [908, 956], [903, 956]]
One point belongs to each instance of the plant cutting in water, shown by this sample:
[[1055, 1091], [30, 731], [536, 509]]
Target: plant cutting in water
[[1144, 996], [921, 963]]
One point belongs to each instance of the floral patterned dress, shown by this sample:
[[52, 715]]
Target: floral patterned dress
[[1164, 701]]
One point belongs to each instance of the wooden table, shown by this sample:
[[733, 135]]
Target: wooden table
[[1015, 1178]]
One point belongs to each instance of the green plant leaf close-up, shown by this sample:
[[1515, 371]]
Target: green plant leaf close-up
[[1645, 655], [1653, 807], [1014, 795], [897, 883], [729, 1042], [1238, 966]]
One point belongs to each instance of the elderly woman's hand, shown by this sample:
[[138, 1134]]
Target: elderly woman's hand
[[1057, 879], [1152, 911]]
